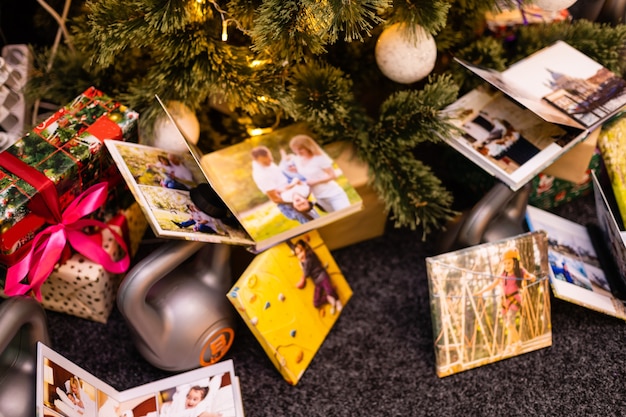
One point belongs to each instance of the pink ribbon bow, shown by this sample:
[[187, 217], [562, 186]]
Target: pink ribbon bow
[[48, 246]]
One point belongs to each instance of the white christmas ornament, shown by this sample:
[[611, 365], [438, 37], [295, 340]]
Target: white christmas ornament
[[405, 57], [166, 135], [553, 5]]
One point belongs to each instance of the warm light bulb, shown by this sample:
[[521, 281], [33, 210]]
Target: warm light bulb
[[257, 131], [224, 30], [258, 62]]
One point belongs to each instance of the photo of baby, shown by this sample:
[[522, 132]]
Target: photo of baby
[[210, 397]]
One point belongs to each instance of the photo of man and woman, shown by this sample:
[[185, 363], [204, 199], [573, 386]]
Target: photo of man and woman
[[280, 184]]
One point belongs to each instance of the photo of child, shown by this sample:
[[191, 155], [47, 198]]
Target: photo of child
[[67, 394], [163, 182], [489, 302], [289, 315], [173, 172], [512, 282], [200, 221], [313, 268], [210, 397]]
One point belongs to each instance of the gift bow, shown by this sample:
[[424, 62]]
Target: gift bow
[[47, 247]]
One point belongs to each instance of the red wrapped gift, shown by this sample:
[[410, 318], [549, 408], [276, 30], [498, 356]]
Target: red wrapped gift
[[68, 149], [67, 229]]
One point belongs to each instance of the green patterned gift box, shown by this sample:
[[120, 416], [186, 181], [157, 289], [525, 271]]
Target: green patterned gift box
[[68, 149]]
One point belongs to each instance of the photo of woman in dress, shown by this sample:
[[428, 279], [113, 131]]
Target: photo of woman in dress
[[317, 168]]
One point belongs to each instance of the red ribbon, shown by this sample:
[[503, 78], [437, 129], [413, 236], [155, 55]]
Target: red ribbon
[[68, 227]]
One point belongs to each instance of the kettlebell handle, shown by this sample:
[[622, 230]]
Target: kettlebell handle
[[22, 325], [499, 203], [132, 293], [174, 301], [498, 214], [18, 312]]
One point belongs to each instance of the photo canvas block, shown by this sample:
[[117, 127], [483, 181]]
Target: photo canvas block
[[612, 143], [489, 302], [280, 184], [290, 297], [576, 273]]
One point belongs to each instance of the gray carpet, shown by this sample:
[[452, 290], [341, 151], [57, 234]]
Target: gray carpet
[[379, 360]]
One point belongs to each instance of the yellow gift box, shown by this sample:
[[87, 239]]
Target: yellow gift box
[[365, 224]]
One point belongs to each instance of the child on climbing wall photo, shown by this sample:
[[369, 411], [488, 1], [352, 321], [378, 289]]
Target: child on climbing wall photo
[[313, 268], [273, 296]]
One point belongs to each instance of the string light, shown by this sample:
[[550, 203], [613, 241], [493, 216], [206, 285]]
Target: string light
[[222, 13], [255, 130], [258, 131], [258, 62], [224, 29]]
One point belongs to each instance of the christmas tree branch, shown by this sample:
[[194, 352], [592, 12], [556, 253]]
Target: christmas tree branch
[[282, 60], [413, 195]]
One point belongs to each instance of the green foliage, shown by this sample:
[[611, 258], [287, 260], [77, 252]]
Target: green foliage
[[354, 19], [463, 25], [318, 93], [407, 186], [52, 84], [430, 15], [302, 61], [286, 31], [412, 116], [487, 52]]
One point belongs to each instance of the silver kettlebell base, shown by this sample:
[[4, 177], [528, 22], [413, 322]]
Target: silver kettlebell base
[[174, 300]]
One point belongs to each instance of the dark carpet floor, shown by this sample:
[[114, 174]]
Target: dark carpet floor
[[378, 360]]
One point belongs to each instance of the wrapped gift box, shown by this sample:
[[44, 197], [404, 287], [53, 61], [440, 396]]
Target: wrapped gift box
[[574, 165], [351, 230], [81, 287], [550, 192], [68, 149], [504, 21]]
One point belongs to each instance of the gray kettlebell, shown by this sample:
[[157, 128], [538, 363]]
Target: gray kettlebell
[[499, 214], [174, 300], [22, 325]]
